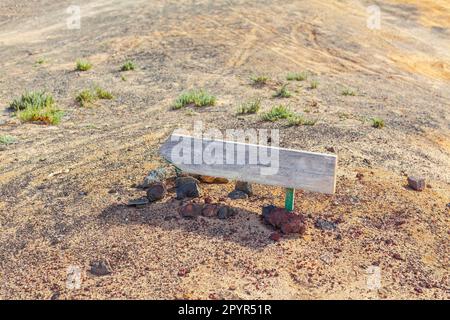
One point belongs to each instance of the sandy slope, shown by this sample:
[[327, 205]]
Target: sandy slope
[[63, 188]]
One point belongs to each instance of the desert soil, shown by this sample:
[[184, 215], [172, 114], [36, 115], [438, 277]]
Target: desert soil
[[64, 188]]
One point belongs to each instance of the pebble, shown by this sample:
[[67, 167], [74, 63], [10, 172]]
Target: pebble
[[100, 268], [323, 224], [156, 191], [243, 186], [236, 194], [417, 184], [138, 202]]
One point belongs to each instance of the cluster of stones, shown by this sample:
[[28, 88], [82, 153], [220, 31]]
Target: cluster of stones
[[283, 221]]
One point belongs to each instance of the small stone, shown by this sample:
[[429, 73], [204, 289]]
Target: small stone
[[190, 210], [225, 212], [359, 175], [210, 210], [156, 191], [331, 149], [138, 202], [397, 256], [100, 268], [244, 187], [417, 184], [209, 179], [236, 194], [208, 200], [448, 205], [323, 224], [157, 175], [418, 289], [187, 187], [183, 272], [275, 236]]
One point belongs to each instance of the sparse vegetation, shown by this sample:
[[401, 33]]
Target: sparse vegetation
[[249, 107], [377, 123], [6, 139], [277, 113], [40, 61], [128, 65], [299, 120], [259, 79], [103, 94], [198, 98], [348, 92], [86, 97], [48, 115], [123, 78], [36, 106], [83, 65], [283, 92], [297, 76], [314, 84], [32, 99]]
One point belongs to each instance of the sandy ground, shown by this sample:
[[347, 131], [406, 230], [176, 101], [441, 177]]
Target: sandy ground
[[64, 188]]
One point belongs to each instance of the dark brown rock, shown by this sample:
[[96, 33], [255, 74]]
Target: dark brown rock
[[210, 210], [417, 184], [287, 222], [225, 212], [190, 210], [100, 268], [294, 224], [156, 191], [187, 187]]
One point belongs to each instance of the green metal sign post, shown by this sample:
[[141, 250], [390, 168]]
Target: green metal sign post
[[289, 201]]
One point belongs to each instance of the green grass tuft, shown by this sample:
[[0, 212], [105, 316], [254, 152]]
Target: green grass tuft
[[377, 123], [299, 120], [277, 113], [103, 94], [249, 107], [83, 65], [48, 115], [86, 97], [198, 98], [348, 92], [297, 76], [128, 65], [6, 139], [259, 79], [314, 84], [34, 99], [283, 92], [40, 61], [36, 106]]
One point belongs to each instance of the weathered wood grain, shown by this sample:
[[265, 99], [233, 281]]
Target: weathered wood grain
[[237, 161]]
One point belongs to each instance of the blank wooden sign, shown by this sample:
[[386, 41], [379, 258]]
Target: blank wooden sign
[[252, 163]]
